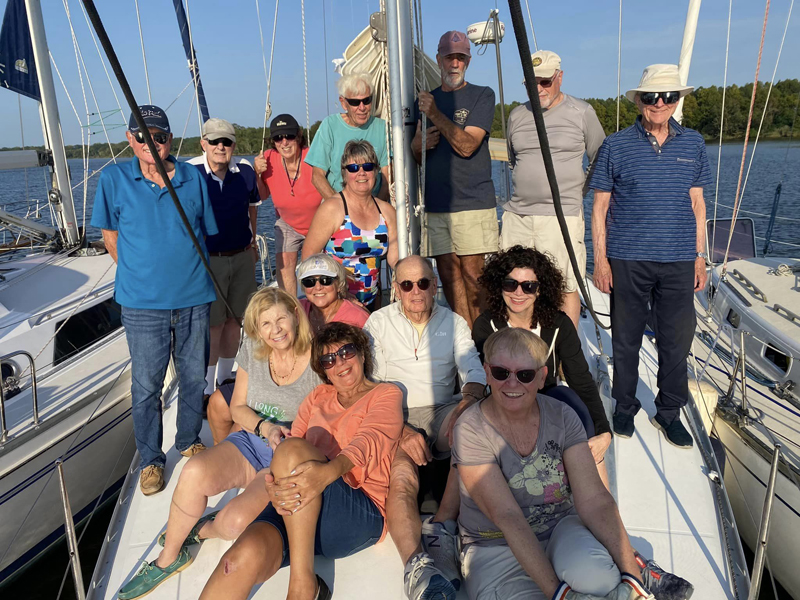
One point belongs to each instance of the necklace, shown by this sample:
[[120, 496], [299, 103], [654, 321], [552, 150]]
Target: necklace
[[296, 175], [281, 378]]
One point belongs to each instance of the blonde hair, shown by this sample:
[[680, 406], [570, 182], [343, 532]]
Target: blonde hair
[[354, 83], [516, 341], [331, 264], [267, 298]]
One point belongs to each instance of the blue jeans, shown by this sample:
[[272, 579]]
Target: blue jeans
[[152, 336]]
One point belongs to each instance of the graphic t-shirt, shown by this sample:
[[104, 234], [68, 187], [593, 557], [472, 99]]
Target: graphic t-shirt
[[538, 481], [275, 403]]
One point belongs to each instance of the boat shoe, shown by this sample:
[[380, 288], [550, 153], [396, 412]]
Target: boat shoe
[[623, 425], [150, 576], [194, 535], [195, 448], [675, 432], [151, 480]]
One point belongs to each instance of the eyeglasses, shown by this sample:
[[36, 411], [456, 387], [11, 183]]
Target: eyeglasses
[[408, 285], [510, 285], [523, 375], [356, 102], [224, 141], [328, 361], [289, 137], [324, 280], [367, 166], [158, 138], [651, 98]]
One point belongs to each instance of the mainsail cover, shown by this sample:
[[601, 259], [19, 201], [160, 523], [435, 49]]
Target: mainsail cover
[[17, 67], [183, 24]]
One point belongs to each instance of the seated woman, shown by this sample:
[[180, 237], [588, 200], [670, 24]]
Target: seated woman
[[535, 520], [274, 377], [355, 227], [325, 283], [331, 477], [524, 289]]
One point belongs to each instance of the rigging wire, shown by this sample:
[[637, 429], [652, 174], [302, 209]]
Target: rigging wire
[[305, 65], [267, 73], [325, 51], [102, 60], [185, 126], [195, 71], [533, 33], [619, 63], [144, 56]]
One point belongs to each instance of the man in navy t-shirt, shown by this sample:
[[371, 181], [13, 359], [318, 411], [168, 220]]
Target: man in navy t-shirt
[[459, 193]]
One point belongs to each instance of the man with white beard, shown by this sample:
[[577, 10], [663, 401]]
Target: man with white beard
[[459, 194]]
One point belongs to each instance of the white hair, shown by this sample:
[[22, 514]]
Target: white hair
[[354, 83]]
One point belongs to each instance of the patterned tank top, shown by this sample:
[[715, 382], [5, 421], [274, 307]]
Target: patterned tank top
[[360, 251]]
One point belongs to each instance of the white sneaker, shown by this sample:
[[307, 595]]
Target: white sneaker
[[423, 581], [440, 541]]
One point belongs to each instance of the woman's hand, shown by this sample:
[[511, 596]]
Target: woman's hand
[[598, 445], [276, 435], [259, 164], [307, 481], [413, 443]]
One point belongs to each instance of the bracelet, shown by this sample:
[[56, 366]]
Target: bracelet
[[257, 429]]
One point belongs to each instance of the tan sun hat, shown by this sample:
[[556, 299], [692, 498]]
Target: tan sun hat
[[660, 78]]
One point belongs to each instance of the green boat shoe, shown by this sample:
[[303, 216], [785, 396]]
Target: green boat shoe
[[194, 535], [150, 576]]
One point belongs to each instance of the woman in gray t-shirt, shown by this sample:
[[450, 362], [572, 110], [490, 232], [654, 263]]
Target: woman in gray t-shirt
[[535, 517]]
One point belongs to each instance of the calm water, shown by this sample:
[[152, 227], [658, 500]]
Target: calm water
[[775, 162]]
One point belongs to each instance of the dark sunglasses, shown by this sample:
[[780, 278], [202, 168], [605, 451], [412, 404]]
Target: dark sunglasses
[[158, 138], [408, 285], [651, 98], [510, 285], [501, 374], [224, 141], [328, 361], [284, 136], [367, 166], [545, 83], [324, 280], [356, 102]]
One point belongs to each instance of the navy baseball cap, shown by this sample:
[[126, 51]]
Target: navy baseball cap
[[153, 117]]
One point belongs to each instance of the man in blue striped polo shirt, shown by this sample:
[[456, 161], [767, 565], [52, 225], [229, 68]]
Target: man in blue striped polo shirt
[[648, 227]]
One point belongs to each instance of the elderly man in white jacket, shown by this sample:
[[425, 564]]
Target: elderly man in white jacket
[[425, 349]]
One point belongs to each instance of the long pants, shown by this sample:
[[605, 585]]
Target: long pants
[[152, 336], [664, 294]]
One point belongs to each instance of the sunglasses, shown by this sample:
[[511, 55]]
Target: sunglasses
[[328, 361], [501, 374], [356, 102], [324, 280], [367, 166], [651, 98], [545, 83], [289, 137], [408, 285], [158, 138], [224, 141], [510, 285]]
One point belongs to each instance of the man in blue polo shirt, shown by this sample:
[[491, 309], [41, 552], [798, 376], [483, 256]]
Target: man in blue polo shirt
[[233, 189], [648, 228], [161, 283]]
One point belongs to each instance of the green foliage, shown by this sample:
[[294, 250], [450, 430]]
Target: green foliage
[[497, 126]]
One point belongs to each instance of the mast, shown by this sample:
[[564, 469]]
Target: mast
[[61, 193], [191, 58], [687, 47]]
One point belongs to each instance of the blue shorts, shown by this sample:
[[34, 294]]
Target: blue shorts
[[227, 392], [348, 523], [257, 451]]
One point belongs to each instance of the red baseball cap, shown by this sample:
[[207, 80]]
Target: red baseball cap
[[454, 42]]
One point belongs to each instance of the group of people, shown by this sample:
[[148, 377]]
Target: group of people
[[337, 402]]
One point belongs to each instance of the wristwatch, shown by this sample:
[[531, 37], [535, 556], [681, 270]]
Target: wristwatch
[[701, 255]]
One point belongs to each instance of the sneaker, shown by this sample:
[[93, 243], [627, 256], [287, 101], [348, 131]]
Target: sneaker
[[440, 541], [151, 480], [623, 425], [194, 535], [150, 576], [195, 448], [423, 581], [323, 591], [675, 432], [663, 585]]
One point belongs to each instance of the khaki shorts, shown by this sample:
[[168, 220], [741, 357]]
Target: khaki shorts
[[462, 233], [428, 421], [543, 233], [286, 238], [236, 276]]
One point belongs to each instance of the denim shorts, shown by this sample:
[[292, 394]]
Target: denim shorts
[[348, 523], [257, 451]]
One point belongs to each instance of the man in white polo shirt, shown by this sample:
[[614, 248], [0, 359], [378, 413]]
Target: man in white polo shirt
[[572, 130]]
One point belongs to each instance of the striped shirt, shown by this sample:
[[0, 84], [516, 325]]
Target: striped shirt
[[650, 215]]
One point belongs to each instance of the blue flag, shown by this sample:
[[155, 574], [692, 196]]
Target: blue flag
[[17, 67]]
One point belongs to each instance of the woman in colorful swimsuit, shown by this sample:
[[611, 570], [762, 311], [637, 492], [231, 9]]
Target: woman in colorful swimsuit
[[355, 227]]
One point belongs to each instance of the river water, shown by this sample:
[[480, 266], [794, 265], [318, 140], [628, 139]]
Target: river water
[[25, 191]]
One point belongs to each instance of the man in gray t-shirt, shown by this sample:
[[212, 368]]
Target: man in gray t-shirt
[[572, 130]]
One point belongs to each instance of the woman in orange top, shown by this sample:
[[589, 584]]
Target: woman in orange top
[[287, 179], [328, 481]]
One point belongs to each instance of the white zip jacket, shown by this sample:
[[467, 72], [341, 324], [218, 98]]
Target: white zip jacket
[[424, 367]]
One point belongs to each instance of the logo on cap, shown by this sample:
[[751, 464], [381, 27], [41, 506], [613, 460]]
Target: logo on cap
[[456, 37], [280, 123], [537, 61]]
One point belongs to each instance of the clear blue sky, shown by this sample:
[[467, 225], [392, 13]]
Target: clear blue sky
[[583, 32]]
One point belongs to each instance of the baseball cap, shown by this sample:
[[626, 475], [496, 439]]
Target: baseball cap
[[545, 63], [153, 117], [454, 42], [213, 129], [315, 265], [284, 124]]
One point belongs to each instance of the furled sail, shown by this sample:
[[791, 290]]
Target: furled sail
[[191, 57], [17, 67]]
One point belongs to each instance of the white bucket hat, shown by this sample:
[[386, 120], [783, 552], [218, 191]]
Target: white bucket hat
[[660, 78]]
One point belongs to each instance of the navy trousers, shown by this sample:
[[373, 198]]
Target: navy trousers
[[662, 293]]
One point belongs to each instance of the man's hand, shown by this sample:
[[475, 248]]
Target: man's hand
[[427, 104], [413, 443], [700, 274], [602, 278], [431, 139], [598, 445], [260, 164]]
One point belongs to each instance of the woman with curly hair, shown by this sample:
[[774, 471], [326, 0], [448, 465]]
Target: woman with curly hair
[[524, 289]]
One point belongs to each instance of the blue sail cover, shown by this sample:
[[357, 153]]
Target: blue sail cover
[[17, 67], [187, 46]]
